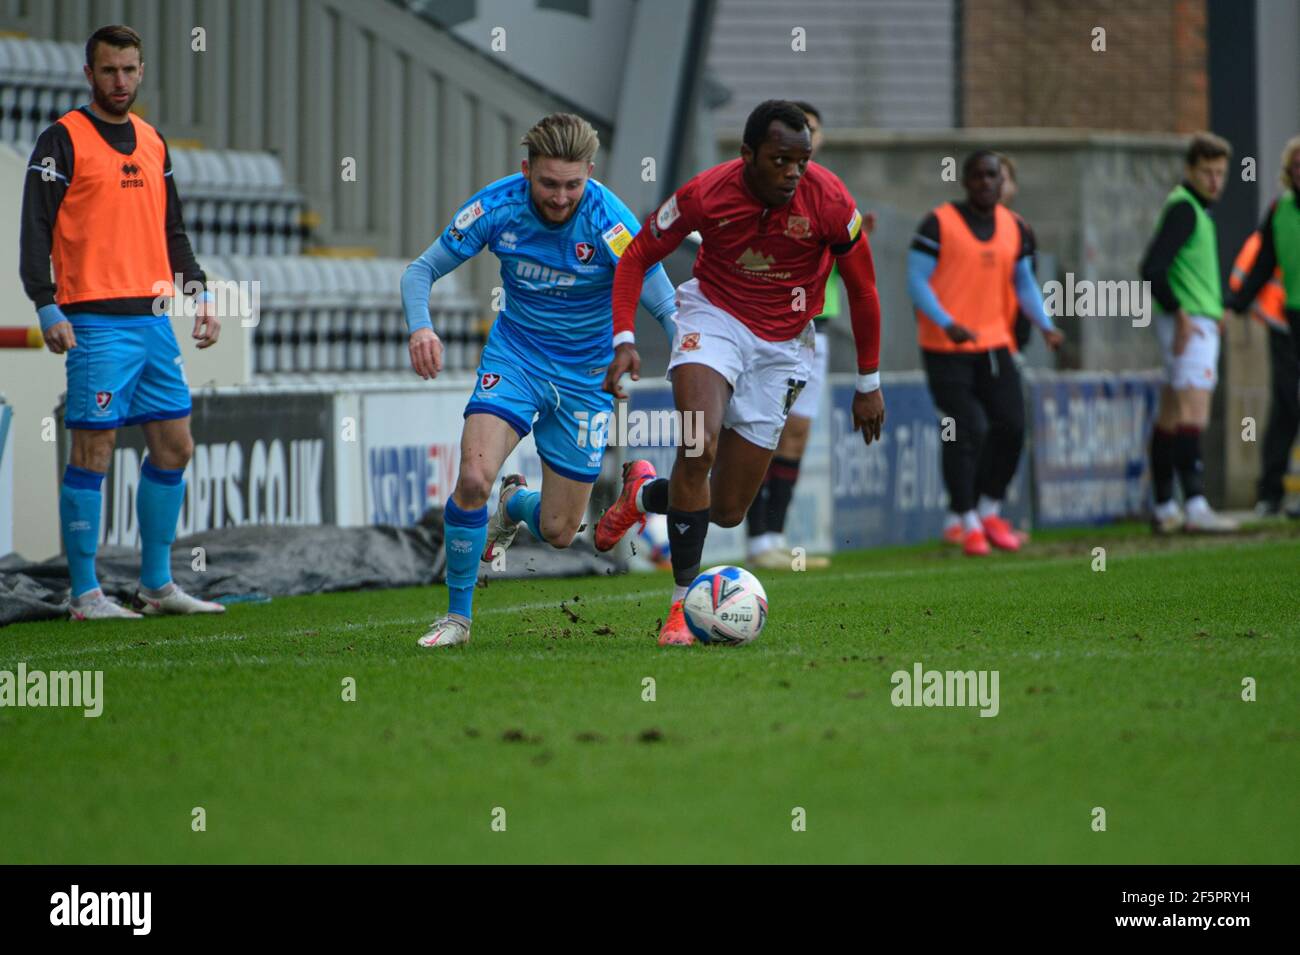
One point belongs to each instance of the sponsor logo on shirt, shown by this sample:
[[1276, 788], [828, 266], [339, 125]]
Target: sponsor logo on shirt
[[508, 241], [131, 176], [585, 251], [535, 275], [617, 238], [489, 380], [668, 213], [752, 261], [690, 341], [103, 399], [798, 227], [456, 234], [469, 215]]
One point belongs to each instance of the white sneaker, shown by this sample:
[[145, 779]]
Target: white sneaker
[[1167, 520], [95, 606], [174, 601], [447, 632], [1205, 521], [501, 530], [771, 559]]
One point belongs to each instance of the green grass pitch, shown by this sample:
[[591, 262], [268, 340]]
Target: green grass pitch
[[1119, 689]]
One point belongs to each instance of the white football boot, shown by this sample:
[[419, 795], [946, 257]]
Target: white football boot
[[1201, 519], [95, 606], [1166, 518], [174, 601], [447, 632], [501, 530]]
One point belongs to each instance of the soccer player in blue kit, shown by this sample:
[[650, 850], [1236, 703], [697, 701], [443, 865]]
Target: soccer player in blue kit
[[558, 235]]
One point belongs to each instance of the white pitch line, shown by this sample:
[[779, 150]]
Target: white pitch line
[[114, 648]]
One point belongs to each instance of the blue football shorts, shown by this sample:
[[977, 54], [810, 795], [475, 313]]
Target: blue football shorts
[[569, 418], [124, 370]]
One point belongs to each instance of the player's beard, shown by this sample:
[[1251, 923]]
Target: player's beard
[[105, 102]]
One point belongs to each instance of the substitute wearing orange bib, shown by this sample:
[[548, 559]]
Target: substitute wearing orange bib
[[112, 193], [968, 271], [973, 278], [102, 235]]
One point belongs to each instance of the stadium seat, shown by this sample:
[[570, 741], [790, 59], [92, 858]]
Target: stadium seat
[[330, 316], [39, 81], [238, 203]]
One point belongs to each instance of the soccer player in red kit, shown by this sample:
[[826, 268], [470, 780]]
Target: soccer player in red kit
[[771, 224]]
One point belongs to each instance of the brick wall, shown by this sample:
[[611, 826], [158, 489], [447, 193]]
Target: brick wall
[[1031, 63]]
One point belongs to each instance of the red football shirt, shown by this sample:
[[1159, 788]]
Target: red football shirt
[[753, 257]]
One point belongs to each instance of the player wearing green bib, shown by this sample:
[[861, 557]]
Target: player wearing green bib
[[1279, 250], [1279, 243], [1182, 265]]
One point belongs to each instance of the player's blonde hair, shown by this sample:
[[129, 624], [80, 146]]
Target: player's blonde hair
[[562, 136], [1288, 154]]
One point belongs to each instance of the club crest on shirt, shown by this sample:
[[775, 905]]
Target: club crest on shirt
[[690, 341], [103, 399], [798, 227], [585, 251], [489, 380]]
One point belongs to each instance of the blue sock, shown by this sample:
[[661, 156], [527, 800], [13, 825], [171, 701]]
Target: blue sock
[[464, 534], [525, 505], [158, 505], [79, 503]]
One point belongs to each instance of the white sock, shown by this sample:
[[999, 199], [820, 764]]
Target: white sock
[[1168, 509], [988, 506], [971, 521], [679, 593], [757, 545], [1198, 505], [952, 520]]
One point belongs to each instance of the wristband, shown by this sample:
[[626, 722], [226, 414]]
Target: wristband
[[50, 315], [624, 338], [868, 383]]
